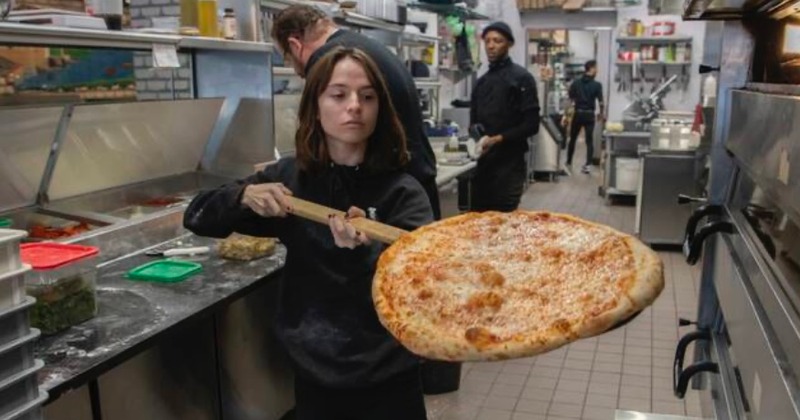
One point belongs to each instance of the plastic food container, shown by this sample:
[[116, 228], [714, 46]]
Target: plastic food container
[[29, 411], [9, 249], [627, 174], [12, 287], [17, 356], [14, 322], [165, 271], [63, 281], [19, 390]]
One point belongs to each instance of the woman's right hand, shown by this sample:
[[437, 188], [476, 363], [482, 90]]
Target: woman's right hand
[[268, 200]]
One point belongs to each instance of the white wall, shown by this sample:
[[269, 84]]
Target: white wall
[[581, 43], [675, 100], [581, 38], [508, 12]]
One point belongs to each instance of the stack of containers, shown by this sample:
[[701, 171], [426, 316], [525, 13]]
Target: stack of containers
[[63, 280], [20, 397]]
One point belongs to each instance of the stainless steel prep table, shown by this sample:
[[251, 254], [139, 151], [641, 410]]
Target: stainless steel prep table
[[206, 338]]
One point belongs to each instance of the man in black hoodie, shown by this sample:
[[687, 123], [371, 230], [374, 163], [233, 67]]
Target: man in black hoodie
[[505, 110], [585, 93], [304, 34]]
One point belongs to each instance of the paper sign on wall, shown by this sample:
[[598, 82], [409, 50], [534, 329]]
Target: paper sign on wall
[[165, 56]]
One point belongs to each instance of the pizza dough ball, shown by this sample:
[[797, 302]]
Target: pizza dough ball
[[245, 248]]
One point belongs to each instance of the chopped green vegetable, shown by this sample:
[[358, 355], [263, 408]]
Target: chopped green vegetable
[[61, 305]]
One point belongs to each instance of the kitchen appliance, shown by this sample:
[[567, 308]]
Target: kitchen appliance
[[645, 108], [748, 332]]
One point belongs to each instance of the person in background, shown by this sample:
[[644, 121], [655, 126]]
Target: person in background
[[504, 110], [304, 34], [350, 155], [585, 94]]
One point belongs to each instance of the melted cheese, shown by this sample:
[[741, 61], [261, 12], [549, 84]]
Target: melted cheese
[[515, 274]]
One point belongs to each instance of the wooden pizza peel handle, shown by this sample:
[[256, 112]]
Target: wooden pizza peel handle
[[374, 230]]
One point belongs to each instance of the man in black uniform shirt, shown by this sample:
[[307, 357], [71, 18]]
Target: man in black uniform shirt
[[585, 93], [505, 111], [304, 34]]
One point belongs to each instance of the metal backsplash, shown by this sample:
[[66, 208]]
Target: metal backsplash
[[242, 79], [765, 139], [26, 137], [247, 141], [112, 145]]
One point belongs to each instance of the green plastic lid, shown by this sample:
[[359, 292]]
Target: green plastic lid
[[165, 271], [5, 222]]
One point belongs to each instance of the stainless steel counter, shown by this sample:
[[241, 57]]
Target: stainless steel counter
[[447, 173], [132, 315]]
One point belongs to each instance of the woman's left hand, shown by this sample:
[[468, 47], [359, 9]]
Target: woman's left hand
[[344, 233]]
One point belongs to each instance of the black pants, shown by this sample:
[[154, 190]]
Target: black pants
[[399, 398], [498, 183], [584, 120]]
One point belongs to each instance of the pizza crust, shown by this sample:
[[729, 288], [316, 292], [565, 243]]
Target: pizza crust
[[425, 337]]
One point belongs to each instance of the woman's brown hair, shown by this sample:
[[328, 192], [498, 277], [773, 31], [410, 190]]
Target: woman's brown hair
[[386, 147]]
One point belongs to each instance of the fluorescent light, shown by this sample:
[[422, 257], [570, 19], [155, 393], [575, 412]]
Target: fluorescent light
[[791, 39]]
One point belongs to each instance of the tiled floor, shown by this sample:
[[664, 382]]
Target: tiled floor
[[629, 368]]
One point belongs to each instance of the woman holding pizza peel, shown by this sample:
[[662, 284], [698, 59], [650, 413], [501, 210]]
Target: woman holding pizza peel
[[350, 154]]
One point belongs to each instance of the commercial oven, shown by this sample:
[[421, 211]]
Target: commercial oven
[[748, 334]]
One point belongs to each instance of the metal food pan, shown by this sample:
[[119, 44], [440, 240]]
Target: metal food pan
[[14, 323], [20, 390], [9, 249], [29, 220], [17, 356]]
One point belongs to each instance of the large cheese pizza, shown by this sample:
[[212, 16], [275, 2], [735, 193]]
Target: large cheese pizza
[[493, 286]]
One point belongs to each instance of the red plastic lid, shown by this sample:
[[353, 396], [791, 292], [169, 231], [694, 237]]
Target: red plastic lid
[[51, 255]]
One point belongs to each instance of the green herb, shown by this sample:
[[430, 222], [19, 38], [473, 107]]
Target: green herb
[[61, 305]]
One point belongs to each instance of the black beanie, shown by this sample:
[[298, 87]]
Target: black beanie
[[501, 27]]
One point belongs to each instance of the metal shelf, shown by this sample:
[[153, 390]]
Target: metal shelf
[[427, 83], [653, 39], [446, 10], [200, 43], [343, 17], [361, 21], [23, 34], [422, 39], [655, 63], [278, 4]]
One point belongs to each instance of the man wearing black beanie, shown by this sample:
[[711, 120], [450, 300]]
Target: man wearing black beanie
[[504, 113]]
